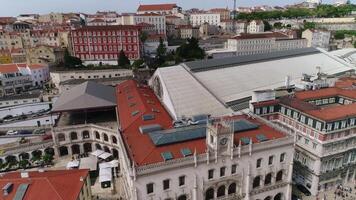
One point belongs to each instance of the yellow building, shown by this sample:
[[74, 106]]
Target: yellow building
[[5, 57]]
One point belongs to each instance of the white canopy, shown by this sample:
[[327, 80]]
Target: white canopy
[[73, 164], [88, 163], [104, 174], [97, 152], [105, 155]]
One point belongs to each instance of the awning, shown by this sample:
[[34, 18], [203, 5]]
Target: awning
[[88, 163], [114, 163], [104, 174], [97, 153], [73, 164], [105, 155]]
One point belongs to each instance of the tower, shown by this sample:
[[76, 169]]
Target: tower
[[220, 136]]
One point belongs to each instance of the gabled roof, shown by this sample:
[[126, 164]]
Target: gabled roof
[[54, 185], [87, 95], [154, 7]]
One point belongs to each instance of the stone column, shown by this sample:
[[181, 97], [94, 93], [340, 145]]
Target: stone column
[[247, 182], [315, 183], [289, 179], [195, 188]]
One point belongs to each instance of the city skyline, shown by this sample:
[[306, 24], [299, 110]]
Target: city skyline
[[16, 7]]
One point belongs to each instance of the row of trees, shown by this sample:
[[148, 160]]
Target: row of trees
[[292, 13]]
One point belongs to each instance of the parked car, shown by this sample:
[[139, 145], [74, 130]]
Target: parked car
[[39, 131], [11, 132], [24, 132]]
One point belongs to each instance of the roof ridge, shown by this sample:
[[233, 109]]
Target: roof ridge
[[51, 185]]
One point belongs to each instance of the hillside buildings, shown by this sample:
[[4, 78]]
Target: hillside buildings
[[197, 19], [102, 44], [317, 38], [162, 9], [17, 78], [250, 44], [256, 26]]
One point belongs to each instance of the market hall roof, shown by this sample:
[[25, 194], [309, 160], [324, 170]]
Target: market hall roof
[[88, 95]]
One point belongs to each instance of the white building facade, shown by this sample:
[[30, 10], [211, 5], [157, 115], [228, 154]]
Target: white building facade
[[197, 19], [256, 26], [317, 38]]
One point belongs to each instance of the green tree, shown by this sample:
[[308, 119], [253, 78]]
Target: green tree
[[143, 37], [23, 163], [268, 26], [309, 25], [123, 61], [278, 25], [161, 53], [190, 50], [71, 61], [47, 158], [137, 64], [355, 44]]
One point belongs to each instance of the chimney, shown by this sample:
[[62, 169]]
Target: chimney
[[24, 174]]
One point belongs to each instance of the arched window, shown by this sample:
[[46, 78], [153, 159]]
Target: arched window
[[209, 194], [73, 136], [63, 151], [61, 137], [114, 140], [182, 197], [87, 147], [268, 198], [97, 146], [37, 153], [221, 191], [24, 156], [279, 196], [85, 134], [256, 182], [106, 138], [97, 135], [279, 176], [75, 149], [268, 179], [232, 188], [106, 149]]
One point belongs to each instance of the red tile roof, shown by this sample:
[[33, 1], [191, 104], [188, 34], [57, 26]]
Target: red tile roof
[[142, 151], [54, 185], [343, 88], [8, 68], [156, 7]]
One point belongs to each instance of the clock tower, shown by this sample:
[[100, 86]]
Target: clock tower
[[220, 135]]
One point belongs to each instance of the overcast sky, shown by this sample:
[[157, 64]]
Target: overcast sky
[[15, 7]]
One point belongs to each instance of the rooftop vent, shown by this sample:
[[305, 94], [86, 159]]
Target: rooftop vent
[[134, 113], [21, 191], [150, 128], [24, 175], [261, 137], [245, 140], [7, 189], [155, 110], [186, 152], [148, 117], [167, 156]]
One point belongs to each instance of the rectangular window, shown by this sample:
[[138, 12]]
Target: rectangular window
[[302, 119], [210, 174], [166, 184], [233, 169], [149, 188], [314, 145], [270, 160], [258, 111], [306, 141], [310, 122], [318, 125], [282, 157], [222, 171], [271, 109], [181, 180], [336, 125], [343, 124], [258, 163]]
